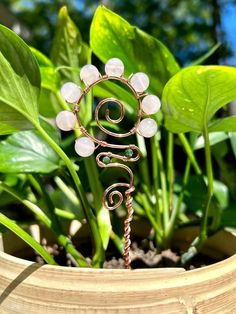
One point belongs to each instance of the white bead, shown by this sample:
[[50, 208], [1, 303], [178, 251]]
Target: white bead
[[139, 82], [66, 120], [114, 67], [147, 127], [70, 92], [89, 74], [151, 104], [84, 146]]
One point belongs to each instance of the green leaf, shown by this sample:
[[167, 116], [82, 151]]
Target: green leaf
[[61, 201], [193, 96], [112, 36], [69, 50], [226, 168], [104, 224], [221, 193], [50, 78], [195, 195], [12, 121], [11, 225], [50, 84], [19, 76], [42, 59], [103, 216], [48, 104], [68, 47], [214, 137], [26, 151], [225, 124]]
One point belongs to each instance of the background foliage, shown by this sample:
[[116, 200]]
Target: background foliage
[[188, 28]]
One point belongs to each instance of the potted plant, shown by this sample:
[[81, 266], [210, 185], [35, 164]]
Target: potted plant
[[40, 174]]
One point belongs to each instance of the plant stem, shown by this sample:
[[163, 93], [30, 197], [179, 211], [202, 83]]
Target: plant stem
[[190, 153], [170, 167], [31, 206], [90, 165], [199, 241], [99, 252], [143, 165], [56, 227], [209, 172], [65, 214], [66, 190], [51, 222], [176, 210], [146, 207], [163, 187], [34, 183], [8, 223], [156, 182]]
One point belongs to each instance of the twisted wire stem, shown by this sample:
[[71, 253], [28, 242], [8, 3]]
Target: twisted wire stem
[[127, 228]]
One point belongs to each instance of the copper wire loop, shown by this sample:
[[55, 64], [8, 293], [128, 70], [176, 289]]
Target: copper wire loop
[[112, 197]]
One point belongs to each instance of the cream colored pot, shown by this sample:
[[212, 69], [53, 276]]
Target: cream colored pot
[[27, 288]]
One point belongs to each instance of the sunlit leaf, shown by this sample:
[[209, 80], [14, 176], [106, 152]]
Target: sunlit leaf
[[19, 75], [193, 96], [27, 152], [68, 48], [112, 36]]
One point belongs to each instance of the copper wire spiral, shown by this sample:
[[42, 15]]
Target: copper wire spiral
[[112, 191]]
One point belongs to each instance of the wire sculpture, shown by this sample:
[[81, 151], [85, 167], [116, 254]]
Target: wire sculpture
[[86, 145]]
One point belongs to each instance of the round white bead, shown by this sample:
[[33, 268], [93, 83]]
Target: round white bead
[[140, 82], [147, 127], [114, 67], [151, 104], [89, 74], [66, 120], [84, 146], [70, 92]]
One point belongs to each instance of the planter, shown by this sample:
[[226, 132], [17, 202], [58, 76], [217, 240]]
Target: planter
[[26, 287]]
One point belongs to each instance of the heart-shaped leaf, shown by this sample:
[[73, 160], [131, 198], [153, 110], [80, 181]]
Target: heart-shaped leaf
[[26, 151], [193, 96], [112, 36], [19, 76]]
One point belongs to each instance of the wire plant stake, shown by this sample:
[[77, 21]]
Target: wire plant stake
[[86, 144]]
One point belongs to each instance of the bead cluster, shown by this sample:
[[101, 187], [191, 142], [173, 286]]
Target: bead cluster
[[89, 74]]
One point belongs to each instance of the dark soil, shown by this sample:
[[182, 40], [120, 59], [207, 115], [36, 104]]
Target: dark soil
[[143, 255]]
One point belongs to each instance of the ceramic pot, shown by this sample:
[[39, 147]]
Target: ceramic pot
[[28, 288]]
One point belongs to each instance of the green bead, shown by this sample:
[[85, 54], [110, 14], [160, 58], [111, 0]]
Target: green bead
[[129, 152], [106, 160]]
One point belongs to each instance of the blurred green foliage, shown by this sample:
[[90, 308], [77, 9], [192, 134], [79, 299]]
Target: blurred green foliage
[[188, 28]]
